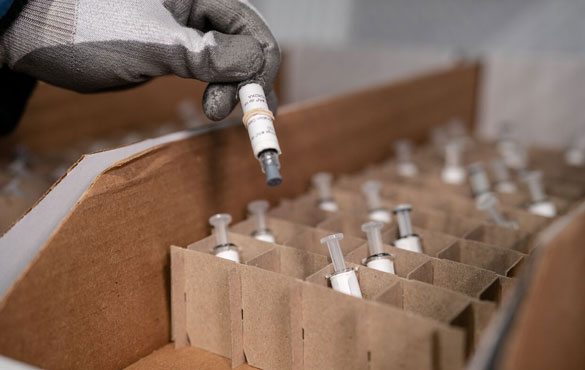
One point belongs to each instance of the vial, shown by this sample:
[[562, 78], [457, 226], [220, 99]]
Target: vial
[[322, 183], [371, 191], [407, 240], [258, 120], [575, 154], [405, 165], [343, 279], [453, 172], [489, 203], [503, 182], [539, 202], [223, 248], [377, 259], [257, 210], [478, 179]]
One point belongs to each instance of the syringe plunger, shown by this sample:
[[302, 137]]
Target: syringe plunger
[[374, 235], [402, 215], [534, 181], [332, 242], [322, 182], [403, 150], [371, 190], [478, 179], [258, 210], [220, 223]]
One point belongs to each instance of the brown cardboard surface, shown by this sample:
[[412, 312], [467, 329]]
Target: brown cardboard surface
[[187, 358], [208, 319], [105, 270], [547, 331], [303, 213], [458, 277], [178, 298], [266, 312]]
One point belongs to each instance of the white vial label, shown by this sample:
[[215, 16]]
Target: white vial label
[[262, 134], [265, 237], [252, 97]]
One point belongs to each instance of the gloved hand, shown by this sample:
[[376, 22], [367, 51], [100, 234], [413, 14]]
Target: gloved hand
[[97, 45]]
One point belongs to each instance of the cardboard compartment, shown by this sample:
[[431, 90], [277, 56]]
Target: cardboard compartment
[[372, 282], [502, 261], [290, 261], [433, 242], [281, 229], [310, 241], [298, 213], [442, 305], [344, 332], [434, 220], [502, 237], [466, 279]]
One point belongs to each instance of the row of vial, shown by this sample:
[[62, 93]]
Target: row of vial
[[343, 279]]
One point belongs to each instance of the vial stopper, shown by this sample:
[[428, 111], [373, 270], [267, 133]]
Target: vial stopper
[[371, 190], [220, 223], [332, 242], [270, 166], [258, 210], [373, 230]]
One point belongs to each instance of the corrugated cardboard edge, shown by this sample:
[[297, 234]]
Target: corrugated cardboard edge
[[503, 344]]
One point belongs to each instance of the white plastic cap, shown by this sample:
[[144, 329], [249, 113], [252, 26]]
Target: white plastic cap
[[220, 223]]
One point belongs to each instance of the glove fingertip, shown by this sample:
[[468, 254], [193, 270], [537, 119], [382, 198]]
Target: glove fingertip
[[219, 100]]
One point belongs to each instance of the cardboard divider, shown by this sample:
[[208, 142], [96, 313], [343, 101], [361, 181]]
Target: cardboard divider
[[298, 213], [290, 261], [281, 229], [372, 282], [466, 279], [502, 237], [502, 261], [349, 225], [310, 241], [442, 305], [344, 332]]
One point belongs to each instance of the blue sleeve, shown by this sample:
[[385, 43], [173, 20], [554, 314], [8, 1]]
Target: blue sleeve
[[4, 6]]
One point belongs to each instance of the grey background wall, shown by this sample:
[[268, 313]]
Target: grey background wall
[[534, 52]]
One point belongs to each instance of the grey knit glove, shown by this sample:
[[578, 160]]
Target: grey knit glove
[[97, 45]]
